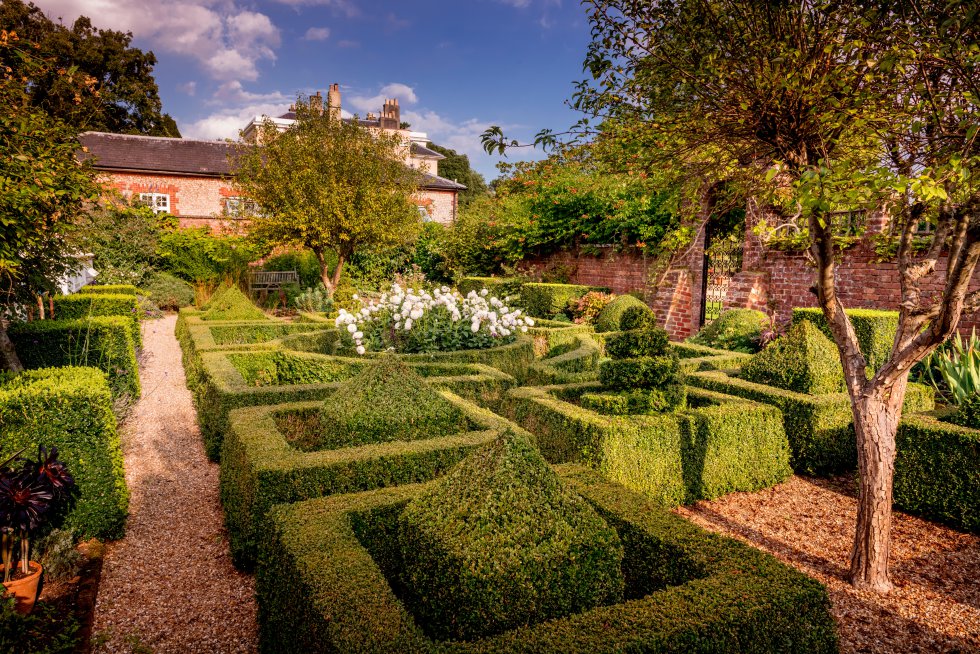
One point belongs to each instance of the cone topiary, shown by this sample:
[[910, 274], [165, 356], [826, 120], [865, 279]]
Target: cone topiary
[[231, 304], [388, 401], [610, 316], [803, 360], [501, 542]]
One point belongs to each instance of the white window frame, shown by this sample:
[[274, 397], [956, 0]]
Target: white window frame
[[158, 202], [237, 206]]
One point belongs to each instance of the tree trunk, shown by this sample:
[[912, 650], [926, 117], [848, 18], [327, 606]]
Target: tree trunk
[[876, 416], [341, 259], [8, 352], [325, 276]]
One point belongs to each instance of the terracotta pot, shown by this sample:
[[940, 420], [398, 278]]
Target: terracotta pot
[[25, 589]]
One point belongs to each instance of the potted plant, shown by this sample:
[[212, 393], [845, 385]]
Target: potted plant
[[29, 492]]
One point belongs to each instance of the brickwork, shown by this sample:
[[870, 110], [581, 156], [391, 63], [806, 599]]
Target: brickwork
[[440, 204]]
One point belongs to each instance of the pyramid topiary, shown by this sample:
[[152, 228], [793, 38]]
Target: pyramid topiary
[[643, 375], [231, 304], [611, 314], [501, 542], [388, 401], [803, 360]]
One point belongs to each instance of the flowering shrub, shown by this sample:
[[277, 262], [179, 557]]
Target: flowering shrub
[[442, 320], [588, 307]]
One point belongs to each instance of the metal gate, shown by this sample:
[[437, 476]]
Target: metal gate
[[722, 260]]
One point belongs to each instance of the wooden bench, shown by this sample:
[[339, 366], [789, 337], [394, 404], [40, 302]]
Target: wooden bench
[[271, 280]]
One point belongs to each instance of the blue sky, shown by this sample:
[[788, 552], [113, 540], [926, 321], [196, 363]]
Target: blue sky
[[455, 66]]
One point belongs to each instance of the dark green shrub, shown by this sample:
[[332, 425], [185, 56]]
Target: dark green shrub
[[231, 304], [967, 414], [551, 300], [568, 362], [637, 317], [875, 330], [803, 360], [501, 542], [90, 305], [327, 583], [109, 289], [304, 262], [612, 314], [500, 287], [738, 330], [388, 401], [641, 372], [104, 342], [650, 342], [168, 291], [700, 357], [71, 409], [641, 400], [198, 255], [937, 471]]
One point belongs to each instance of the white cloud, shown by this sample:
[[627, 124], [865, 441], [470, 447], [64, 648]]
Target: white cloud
[[190, 88], [404, 93], [346, 8], [317, 34], [227, 40]]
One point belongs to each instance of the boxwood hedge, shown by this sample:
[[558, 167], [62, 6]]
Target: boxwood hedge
[[550, 300], [261, 468], [546, 334], [609, 318], [512, 359], [819, 427], [937, 471], [569, 362], [802, 360], [719, 445], [71, 409], [875, 330], [325, 583], [90, 305], [498, 286], [700, 357], [104, 342], [231, 304], [109, 289]]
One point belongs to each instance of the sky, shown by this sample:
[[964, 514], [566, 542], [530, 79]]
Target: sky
[[456, 66]]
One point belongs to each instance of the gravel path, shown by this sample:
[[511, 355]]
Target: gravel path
[[809, 523], [169, 585]]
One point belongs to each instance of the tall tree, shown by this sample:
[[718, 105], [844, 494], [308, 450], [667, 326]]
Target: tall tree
[[818, 106], [456, 166], [126, 99], [328, 185], [43, 188]]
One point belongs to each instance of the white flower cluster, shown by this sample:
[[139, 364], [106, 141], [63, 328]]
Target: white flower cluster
[[441, 310]]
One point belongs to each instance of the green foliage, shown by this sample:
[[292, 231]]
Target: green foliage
[[650, 342], [329, 186], [803, 360], [588, 307], [78, 57], [57, 554], [261, 468], [388, 401], [71, 409], [958, 365], [937, 471], [124, 239], [231, 304], [109, 289], [302, 261], [641, 400], [474, 244], [430, 253], [168, 291], [104, 342], [875, 331], [91, 305], [45, 631], [198, 256], [637, 317], [501, 542], [611, 316], [967, 413], [501, 287], [314, 300], [819, 427], [738, 330], [550, 300], [456, 166], [570, 361], [328, 565], [639, 372]]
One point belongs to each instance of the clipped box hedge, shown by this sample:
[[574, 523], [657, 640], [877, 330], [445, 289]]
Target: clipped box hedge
[[820, 428], [570, 362], [546, 334], [500, 287], [91, 305], [260, 468], [694, 358], [229, 380], [875, 330], [71, 409], [609, 318], [719, 445], [550, 300], [937, 471], [110, 289], [104, 342], [512, 359], [324, 583]]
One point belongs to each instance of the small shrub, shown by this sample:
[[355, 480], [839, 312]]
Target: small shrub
[[637, 317], [639, 372], [109, 289], [875, 330], [168, 292], [650, 342], [641, 400], [967, 413], [612, 314], [59, 556], [738, 330], [314, 300], [231, 304], [588, 307], [804, 360], [551, 300]]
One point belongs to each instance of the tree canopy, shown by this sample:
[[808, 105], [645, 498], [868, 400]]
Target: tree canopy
[[328, 185], [124, 97], [456, 166]]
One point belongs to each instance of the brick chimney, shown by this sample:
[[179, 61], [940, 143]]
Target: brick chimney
[[391, 114], [316, 103], [333, 101]]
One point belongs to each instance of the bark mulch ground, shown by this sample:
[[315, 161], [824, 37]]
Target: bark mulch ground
[[169, 585], [809, 523]]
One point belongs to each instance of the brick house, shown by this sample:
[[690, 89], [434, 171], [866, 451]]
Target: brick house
[[192, 179]]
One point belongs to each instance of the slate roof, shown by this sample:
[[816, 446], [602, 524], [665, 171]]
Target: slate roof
[[155, 154], [440, 183], [422, 151]]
